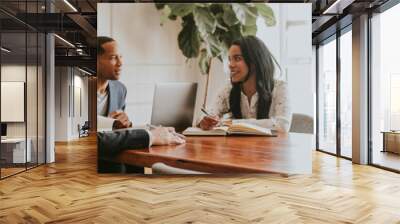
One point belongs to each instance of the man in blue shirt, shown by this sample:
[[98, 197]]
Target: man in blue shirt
[[111, 97]]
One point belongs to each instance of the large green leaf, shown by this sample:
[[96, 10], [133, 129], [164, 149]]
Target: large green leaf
[[251, 18], [172, 17], [212, 27], [216, 8], [213, 45], [220, 23], [243, 13], [165, 14], [205, 21], [235, 32], [202, 5], [229, 16], [181, 9], [189, 39], [240, 12], [249, 30], [159, 5], [267, 13]]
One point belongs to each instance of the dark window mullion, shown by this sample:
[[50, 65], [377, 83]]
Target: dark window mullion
[[338, 82], [26, 87], [317, 96], [37, 91], [369, 90]]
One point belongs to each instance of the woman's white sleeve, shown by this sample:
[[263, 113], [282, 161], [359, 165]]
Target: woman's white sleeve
[[280, 110], [280, 114]]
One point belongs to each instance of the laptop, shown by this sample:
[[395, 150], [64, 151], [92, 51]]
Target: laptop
[[173, 105]]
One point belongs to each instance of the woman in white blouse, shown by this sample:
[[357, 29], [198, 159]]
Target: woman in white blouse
[[253, 95]]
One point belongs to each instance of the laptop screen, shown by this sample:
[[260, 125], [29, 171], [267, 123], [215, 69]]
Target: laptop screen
[[173, 104]]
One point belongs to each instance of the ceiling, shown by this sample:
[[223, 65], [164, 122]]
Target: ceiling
[[76, 24], [332, 15]]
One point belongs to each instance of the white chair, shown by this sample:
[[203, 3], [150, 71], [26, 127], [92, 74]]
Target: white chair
[[302, 123], [161, 168]]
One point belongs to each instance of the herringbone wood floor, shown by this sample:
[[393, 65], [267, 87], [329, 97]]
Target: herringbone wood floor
[[70, 191]]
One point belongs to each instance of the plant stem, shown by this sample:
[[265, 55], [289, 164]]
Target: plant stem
[[206, 88]]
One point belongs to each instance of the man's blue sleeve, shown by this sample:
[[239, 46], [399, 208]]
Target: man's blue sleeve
[[109, 144]]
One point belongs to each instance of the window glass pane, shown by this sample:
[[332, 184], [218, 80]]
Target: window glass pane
[[22, 78], [31, 97], [327, 97], [14, 147], [346, 94], [385, 86]]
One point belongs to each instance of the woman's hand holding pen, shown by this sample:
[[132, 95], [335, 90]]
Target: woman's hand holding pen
[[209, 121]]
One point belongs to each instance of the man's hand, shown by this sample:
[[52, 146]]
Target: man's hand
[[209, 122], [121, 120], [166, 136]]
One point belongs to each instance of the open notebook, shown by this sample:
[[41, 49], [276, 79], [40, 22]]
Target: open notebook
[[234, 129]]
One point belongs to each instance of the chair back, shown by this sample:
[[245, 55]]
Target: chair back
[[302, 123]]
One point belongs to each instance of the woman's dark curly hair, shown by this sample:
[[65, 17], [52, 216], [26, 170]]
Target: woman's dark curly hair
[[258, 57]]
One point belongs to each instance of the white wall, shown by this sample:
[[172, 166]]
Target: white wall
[[296, 58], [151, 54], [70, 84], [61, 104], [81, 104]]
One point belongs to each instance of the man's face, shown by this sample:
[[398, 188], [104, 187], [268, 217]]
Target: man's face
[[109, 63]]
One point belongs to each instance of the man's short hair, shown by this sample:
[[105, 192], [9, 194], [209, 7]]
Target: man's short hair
[[100, 41]]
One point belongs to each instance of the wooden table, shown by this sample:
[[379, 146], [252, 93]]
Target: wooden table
[[285, 154]]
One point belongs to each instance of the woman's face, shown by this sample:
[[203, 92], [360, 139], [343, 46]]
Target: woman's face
[[237, 66]]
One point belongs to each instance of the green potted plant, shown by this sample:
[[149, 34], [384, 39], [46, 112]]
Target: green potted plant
[[208, 29]]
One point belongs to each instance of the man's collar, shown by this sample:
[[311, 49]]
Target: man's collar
[[107, 83]]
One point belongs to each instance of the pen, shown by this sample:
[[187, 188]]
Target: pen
[[204, 111]]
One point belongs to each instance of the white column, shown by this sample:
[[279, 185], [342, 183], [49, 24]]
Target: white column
[[360, 90], [50, 99]]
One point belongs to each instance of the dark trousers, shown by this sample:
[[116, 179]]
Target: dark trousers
[[104, 166]]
